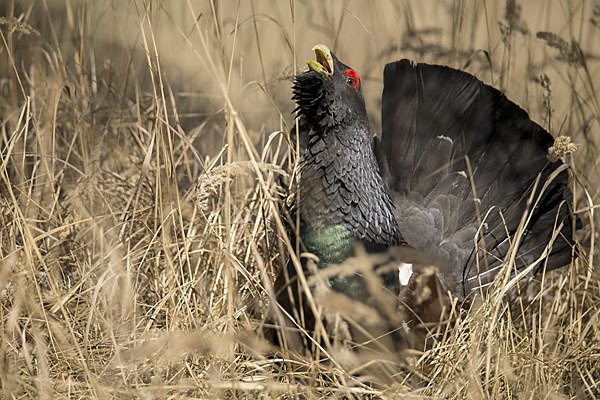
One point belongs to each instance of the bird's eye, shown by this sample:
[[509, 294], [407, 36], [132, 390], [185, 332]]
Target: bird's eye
[[352, 79]]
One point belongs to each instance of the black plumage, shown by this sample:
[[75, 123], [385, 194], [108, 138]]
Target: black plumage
[[436, 120], [455, 154], [338, 168]]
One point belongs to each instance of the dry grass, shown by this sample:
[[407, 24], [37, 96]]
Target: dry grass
[[144, 146]]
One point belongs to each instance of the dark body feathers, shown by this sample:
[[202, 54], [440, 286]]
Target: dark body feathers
[[338, 173], [453, 152]]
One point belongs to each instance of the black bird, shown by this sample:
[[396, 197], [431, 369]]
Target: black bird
[[451, 177]]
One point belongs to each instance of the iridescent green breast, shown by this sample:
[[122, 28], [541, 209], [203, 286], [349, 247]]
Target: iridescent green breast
[[333, 245]]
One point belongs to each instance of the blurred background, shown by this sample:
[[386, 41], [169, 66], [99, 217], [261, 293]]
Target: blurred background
[[255, 47]]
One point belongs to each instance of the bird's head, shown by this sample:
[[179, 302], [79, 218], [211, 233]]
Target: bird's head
[[329, 94]]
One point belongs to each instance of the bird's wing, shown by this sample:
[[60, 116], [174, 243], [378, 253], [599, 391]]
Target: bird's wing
[[446, 133]]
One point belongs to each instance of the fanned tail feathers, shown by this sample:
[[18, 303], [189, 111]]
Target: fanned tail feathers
[[446, 133]]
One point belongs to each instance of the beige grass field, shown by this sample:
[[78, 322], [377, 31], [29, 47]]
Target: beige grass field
[[144, 151]]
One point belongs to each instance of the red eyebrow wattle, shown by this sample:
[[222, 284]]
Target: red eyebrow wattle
[[353, 74]]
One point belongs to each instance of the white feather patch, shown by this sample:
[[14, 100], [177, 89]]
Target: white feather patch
[[442, 137], [404, 273]]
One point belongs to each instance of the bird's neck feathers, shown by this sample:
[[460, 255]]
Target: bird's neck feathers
[[342, 194]]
